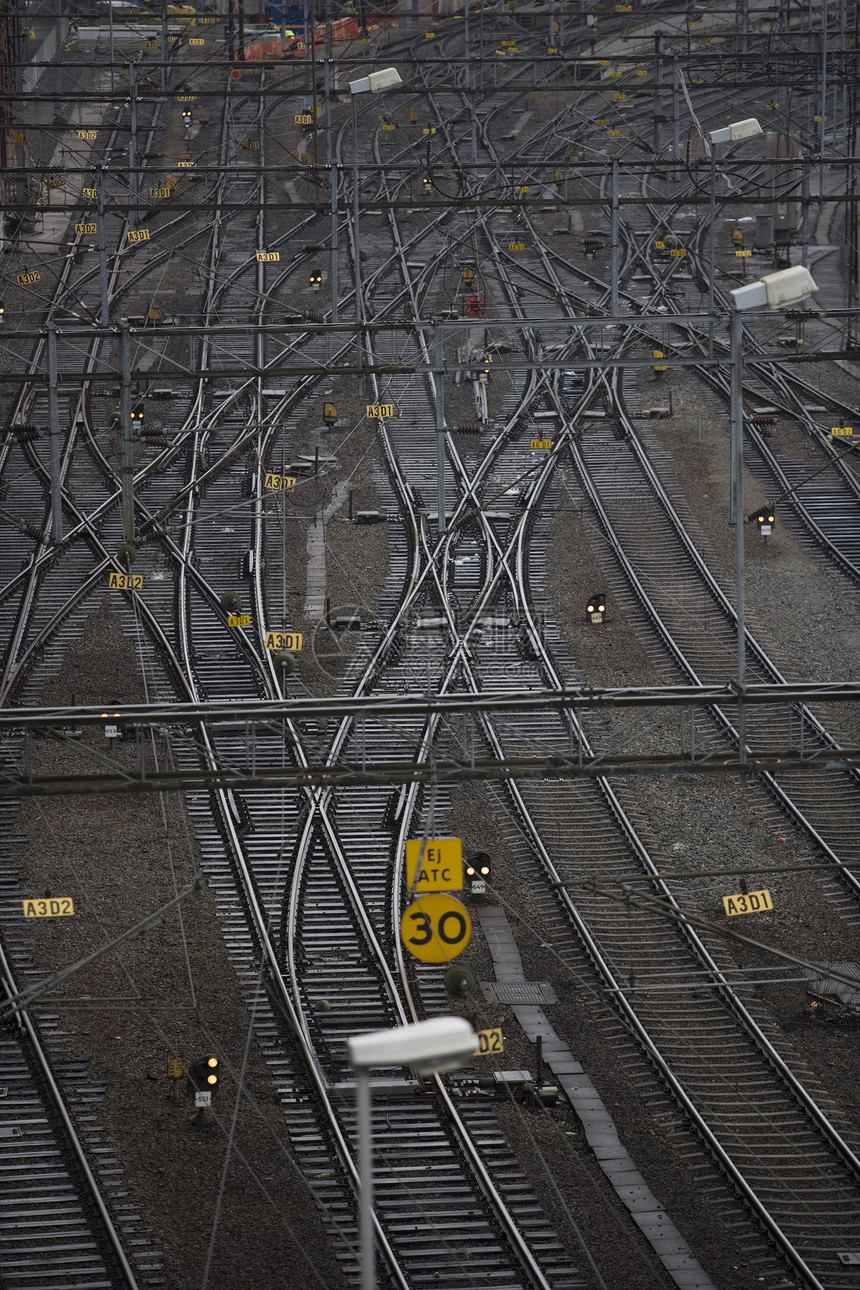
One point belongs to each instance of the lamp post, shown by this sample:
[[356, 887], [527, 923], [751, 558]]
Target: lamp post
[[387, 78], [776, 290], [733, 133], [429, 1047]]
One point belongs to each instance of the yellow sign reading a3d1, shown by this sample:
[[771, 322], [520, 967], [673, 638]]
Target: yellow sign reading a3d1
[[436, 928], [441, 861]]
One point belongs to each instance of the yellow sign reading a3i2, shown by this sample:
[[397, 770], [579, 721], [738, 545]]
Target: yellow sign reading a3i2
[[436, 928], [441, 864]]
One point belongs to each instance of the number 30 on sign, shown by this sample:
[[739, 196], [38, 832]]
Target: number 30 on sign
[[436, 928]]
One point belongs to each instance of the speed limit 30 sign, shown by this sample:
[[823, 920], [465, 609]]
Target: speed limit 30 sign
[[436, 928]]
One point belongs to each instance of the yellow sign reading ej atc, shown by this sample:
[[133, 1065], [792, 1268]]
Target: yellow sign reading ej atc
[[441, 861]]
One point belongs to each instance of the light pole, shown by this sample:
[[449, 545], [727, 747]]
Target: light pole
[[733, 133], [387, 78], [776, 290], [429, 1047]]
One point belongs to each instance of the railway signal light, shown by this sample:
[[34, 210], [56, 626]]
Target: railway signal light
[[315, 280], [136, 416], [595, 609], [427, 181], [478, 871], [2, 312], [203, 1077], [187, 118], [484, 375], [765, 521], [329, 414]]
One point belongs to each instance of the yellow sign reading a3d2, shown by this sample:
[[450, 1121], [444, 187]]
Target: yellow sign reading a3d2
[[441, 861], [436, 928]]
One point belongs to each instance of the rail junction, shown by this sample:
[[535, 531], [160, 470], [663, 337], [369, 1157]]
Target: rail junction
[[427, 423]]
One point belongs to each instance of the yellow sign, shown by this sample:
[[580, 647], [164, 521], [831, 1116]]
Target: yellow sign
[[152, 43], [841, 432], [175, 1065], [490, 1042], [18, 138], [252, 145], [26, 279], [82, 229], [268, 257], [748, 902], [516, 246], [544, 444], [552, 49], [387, 126], [613, 134], [56, 183], [280, 483], [196, 40], [441, 864], [87, 134], [284, 640], [602, 120], [186, 162], [436, 928], [161, 192], [743, 254], [429, 129], [658, 353], [677, 250], [138, 235], [661, 246], [91, 193], [380, 409], [125, 581], [54, 908], [239, 620], [619, 96], [521, 188], [304, 118]]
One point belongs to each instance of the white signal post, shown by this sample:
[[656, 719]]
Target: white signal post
[[430, 1048], [733, 133], [777, 290], [387, 78]]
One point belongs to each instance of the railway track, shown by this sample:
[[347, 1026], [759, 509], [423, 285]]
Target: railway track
[[310, 883]]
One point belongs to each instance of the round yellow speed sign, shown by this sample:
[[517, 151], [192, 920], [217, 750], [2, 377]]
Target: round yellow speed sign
[[436, 928]]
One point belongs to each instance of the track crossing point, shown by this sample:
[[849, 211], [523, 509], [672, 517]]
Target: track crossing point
[[436, 928]]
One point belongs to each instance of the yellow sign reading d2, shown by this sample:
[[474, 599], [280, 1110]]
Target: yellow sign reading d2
[[436, 928], [748, 902], [441, 861]]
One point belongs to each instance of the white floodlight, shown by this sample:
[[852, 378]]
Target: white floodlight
[[738, 130], [441, 1044], [786, 287], [387, 78]]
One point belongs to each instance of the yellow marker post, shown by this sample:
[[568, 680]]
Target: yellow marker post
[[56, 907], [291, 641], [490, 1042], [435, 928], [441, 861], [748, 902]]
